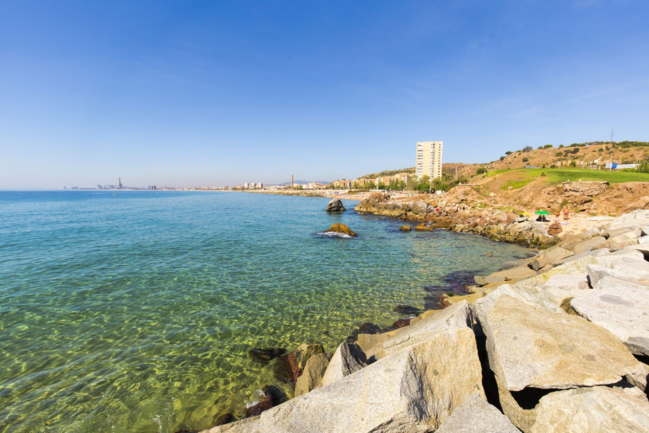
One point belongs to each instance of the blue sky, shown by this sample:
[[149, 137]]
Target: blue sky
[[224, 92]]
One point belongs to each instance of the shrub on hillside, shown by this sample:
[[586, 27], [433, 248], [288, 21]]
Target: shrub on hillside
[[553, 166], [509, 152], [575, 150], [560, 146], [547, 146], [502, 158], [573, 163], [558, 154], [481, 170], [527, 149], [525, 159]]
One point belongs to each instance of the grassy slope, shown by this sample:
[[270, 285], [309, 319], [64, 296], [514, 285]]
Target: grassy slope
[[558, 175]]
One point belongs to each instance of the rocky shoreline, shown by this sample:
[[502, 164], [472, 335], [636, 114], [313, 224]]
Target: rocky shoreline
[[555, 342]]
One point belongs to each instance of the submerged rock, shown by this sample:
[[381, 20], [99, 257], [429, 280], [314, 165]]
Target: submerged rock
[[335, 205], [266, 354], [407, 309], [285, 368], [401, 323], [306, 351], [341, 229], [273, 396]]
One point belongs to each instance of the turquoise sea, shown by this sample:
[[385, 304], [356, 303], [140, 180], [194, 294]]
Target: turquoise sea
[[130, 311]]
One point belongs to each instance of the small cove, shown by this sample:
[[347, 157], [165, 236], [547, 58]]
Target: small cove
[[135, 311]]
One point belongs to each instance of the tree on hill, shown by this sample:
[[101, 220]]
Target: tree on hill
[[528, 149]]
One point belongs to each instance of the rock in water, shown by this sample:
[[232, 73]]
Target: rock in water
[[272, 397], [405, 228], [423, 228], [407, 309], [342, 229], [314, 371], [554, 229], [266, 354], [306, 351], [335, 205], [475, 415]]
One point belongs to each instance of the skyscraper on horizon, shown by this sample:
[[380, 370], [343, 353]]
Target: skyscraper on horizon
[[119, 184], [429, 159]]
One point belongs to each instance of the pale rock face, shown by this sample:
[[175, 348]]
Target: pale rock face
[[532, 347], [347, 359], [561, 287], [619, 242], [590, 244], [628, 273], [620, 307], [475, 415], [515, 273], [598, 409], [414, 390], [454, 317], [550, 257], [594, 253], [607, 261], [315, 368], [568, 268], [489, 279]]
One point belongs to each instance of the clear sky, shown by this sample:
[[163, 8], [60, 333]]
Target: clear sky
[[197, 93]]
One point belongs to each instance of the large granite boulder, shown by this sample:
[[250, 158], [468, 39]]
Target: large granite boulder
[[627, 269], [518, 273], [342, 229], [414, 390], [562, 287], [335, 205], [451, 318], [475, 415], [314, 371], [347, 359], [591, 253], [549, 257], [489, 279], [597, 409], [530, 347], [622, 308]]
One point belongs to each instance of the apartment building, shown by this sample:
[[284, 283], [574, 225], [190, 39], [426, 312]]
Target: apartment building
[[429, 159]]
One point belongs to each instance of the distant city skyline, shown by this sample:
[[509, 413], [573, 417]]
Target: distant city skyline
[[188, 94]]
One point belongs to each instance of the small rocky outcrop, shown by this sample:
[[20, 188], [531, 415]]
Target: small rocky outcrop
[[405, 228], [407, 309], [423, 228], [335, 205], [554, 229], [306, 351], [341, 228], [266, 354], [549, 257]]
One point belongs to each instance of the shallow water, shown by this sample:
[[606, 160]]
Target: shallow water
[[134, 311]]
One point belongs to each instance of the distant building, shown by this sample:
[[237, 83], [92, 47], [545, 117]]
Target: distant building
[[246, 185], [429, 159], [119, 184]]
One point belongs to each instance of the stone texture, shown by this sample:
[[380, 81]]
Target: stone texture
[[314, 370], [620, 307], [414, 390], [367, 341], [405, 228], [590, 244], [347, 359], [519, 272], [475, 415], [560, 287], [598, 409], [532, 347], [489, 279], [451, 318], [550, 257], [304, 352], [335, 205], [422, 316], [619, 242], [629, 269], [423, 228], [554, 229], [593, 253]]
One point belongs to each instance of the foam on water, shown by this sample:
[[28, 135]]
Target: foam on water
[[135, 311]]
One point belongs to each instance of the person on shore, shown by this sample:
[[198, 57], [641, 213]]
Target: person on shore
[[566, 213]]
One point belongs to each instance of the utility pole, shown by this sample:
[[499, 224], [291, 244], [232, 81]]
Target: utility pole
[[611, 150]]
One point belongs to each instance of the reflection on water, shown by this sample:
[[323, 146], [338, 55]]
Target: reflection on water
[[135, 312]]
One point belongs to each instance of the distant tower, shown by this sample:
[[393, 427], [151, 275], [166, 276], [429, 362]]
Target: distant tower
[[119, 184], [291, 181]]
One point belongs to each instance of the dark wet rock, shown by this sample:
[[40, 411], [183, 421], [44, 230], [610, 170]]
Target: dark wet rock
[[407, 309], [304, 352], [266, 354], [437, 305], [435, 289], [341, 229], [273, 396], [365, 328], [405, 228], [335, 205], [224, 418], [401, 323], [285, 368]]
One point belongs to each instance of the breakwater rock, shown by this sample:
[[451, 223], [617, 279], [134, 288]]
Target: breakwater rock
[[557, 342], [335, 205]]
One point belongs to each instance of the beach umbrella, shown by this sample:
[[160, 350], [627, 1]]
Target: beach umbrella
[[542, 212]]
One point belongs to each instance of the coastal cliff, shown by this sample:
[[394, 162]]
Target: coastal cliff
[[556, 342]]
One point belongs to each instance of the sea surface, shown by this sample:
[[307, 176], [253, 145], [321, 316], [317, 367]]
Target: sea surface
[[125, 311]]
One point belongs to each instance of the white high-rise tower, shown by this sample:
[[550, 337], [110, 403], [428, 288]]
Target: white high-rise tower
[[429, 159]]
